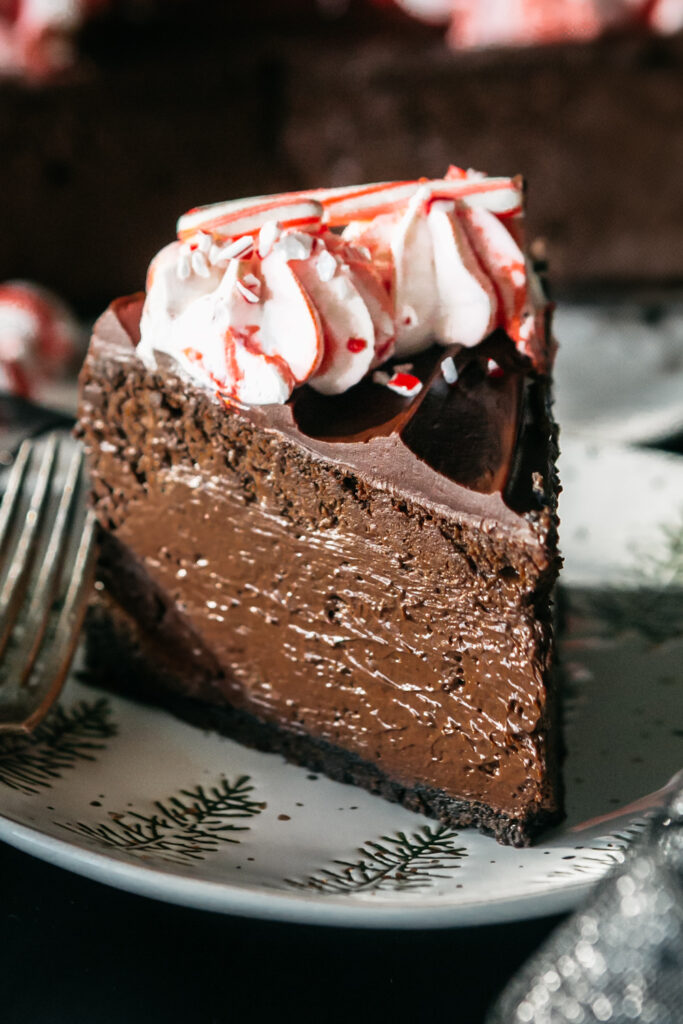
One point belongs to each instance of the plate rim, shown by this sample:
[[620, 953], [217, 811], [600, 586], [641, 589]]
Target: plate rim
[[275, 905]]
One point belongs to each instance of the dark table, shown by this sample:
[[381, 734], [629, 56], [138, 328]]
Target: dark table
[[74, 951]]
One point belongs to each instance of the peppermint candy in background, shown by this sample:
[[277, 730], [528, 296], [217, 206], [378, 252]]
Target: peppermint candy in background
[[37, 36], [482, 23], [39, 339]]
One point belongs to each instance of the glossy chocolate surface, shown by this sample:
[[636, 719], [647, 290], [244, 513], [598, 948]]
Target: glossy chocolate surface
[[371, 570]]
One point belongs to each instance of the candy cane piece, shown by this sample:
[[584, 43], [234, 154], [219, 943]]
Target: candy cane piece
[[339, 206], [242, 217]]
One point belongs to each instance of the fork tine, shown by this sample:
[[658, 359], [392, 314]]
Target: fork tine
[[46, 585], [12, 493], [17, 578], [54, 671]]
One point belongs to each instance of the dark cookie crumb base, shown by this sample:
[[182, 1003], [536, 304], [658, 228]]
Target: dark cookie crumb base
[[116, 660]]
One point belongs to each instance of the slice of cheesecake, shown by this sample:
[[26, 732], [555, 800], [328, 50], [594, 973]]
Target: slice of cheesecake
[[356, 569]]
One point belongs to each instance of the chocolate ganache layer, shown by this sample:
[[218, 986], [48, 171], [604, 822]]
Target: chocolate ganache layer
[[361, 581]]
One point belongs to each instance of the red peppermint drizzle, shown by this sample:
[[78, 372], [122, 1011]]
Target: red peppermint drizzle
[[356, 344]]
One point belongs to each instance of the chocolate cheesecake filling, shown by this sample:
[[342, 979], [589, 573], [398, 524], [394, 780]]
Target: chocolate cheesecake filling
[[369, 573]]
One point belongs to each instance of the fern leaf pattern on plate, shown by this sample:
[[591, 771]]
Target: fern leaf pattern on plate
[[66, 737], [400, 862], [180, 829]]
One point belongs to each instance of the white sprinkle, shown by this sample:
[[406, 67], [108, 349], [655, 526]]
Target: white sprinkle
[[326, 266], [204, 243], [245, 293], [294, 246], [181, 574], [199, 264], [380, 377], [267, 236], [230, 251], [402, 367], [408, 316], [364, 252], [449, 370], [184, 266], [493, 369]]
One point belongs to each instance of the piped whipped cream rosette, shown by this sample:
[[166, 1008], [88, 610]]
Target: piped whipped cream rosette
[[259, 296]]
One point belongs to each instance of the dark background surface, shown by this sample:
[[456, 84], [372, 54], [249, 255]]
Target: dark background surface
[[74, 951]]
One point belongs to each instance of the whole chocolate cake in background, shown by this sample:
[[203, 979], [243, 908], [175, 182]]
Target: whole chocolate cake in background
[[162, 106], [323, 465]]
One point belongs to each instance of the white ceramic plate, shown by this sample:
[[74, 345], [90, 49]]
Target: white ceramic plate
[[136, 799]]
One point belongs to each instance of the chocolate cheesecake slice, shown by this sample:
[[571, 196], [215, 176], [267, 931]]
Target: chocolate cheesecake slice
[[358, 576]]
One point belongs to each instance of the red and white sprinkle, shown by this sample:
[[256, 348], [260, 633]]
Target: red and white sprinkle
[[404, 384], [240, 247], [252, 282], [449, 370], [245, 292], [493, 369]]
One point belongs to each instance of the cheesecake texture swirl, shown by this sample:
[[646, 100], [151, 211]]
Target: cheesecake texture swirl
[[257, 297]]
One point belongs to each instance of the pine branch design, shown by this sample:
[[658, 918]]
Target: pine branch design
[[183, 828], [29, 764], [399, 862]]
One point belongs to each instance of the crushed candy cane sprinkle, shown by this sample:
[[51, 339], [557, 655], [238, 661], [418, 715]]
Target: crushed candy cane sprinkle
[[449, 370], [259, 296]]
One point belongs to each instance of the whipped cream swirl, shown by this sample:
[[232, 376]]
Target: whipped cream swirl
[[259, 296]]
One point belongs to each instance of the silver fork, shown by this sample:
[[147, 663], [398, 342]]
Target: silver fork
[[47, 561]]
